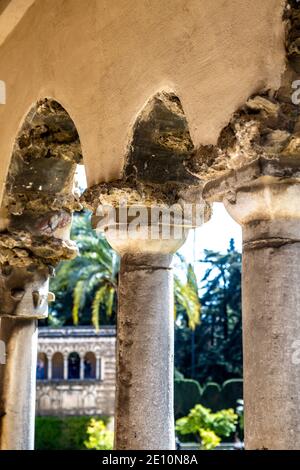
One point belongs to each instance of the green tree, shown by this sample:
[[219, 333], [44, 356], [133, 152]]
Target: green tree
[[85, 287], [218, 337]]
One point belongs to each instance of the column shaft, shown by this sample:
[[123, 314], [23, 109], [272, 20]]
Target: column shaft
[[144, 394], [81, 372], [271, 334], [17, 384], [65, 367], [49, 372], [98, 368]]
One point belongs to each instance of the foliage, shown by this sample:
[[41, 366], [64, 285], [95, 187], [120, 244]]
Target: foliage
[[212, 396], [187, 297], [178, 375], [88, 283], [60, 433], [99, 437], [208, 426], [187, 393], [209, 439], [213, 351], [232, 390]]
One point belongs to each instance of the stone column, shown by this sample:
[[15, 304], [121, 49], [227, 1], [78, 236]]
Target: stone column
[[49, 375], [17, 383], [65, 366], [99, 364], [268, 209], [144, 417], [81, 372], [18, 330]]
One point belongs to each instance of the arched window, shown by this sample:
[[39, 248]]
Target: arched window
[[42, 367], [73, 366], [57, 366], [90, 366]]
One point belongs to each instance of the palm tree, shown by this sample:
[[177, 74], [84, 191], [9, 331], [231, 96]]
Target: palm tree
[[91, 277], [186, 295]]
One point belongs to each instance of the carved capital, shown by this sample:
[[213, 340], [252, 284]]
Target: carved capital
[[144, 221], [266, 189]]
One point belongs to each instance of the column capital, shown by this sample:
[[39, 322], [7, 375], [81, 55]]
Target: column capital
[[264, 190], [144, 219]]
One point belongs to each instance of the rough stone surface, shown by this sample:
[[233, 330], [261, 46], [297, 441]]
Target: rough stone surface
[[104, 61], [271, 332], [255, 171], [36, 212], [36, 216], [154, 173], [145, 355], [17, 384], [266, 126]]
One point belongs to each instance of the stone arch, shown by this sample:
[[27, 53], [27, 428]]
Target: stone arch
[[42, 366], [156, 169], [73, 366], [57, 366], [160, 142], [90, 365]]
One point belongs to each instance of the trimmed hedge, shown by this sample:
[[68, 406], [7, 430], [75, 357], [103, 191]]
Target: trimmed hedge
[[188, 393], [232, 390], [212, 397], [61, 433]]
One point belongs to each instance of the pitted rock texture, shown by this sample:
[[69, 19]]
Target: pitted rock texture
[[22, 249], [39, 198], [267, 126], [161, 143], [155, 173], [15, 280]]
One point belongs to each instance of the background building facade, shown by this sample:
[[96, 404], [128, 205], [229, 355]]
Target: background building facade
[[76, 371]]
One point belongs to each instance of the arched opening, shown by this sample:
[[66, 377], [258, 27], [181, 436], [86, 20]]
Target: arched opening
[[73, 366], [42, 367], [57, 366], [90, 365]]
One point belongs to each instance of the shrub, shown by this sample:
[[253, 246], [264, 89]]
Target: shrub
[[61, 433], [212, 396], [99, 437], [232, 390], [208, 426]]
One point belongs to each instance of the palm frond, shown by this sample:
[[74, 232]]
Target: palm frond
[[98, 299], [187, 296], [77, 300]]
